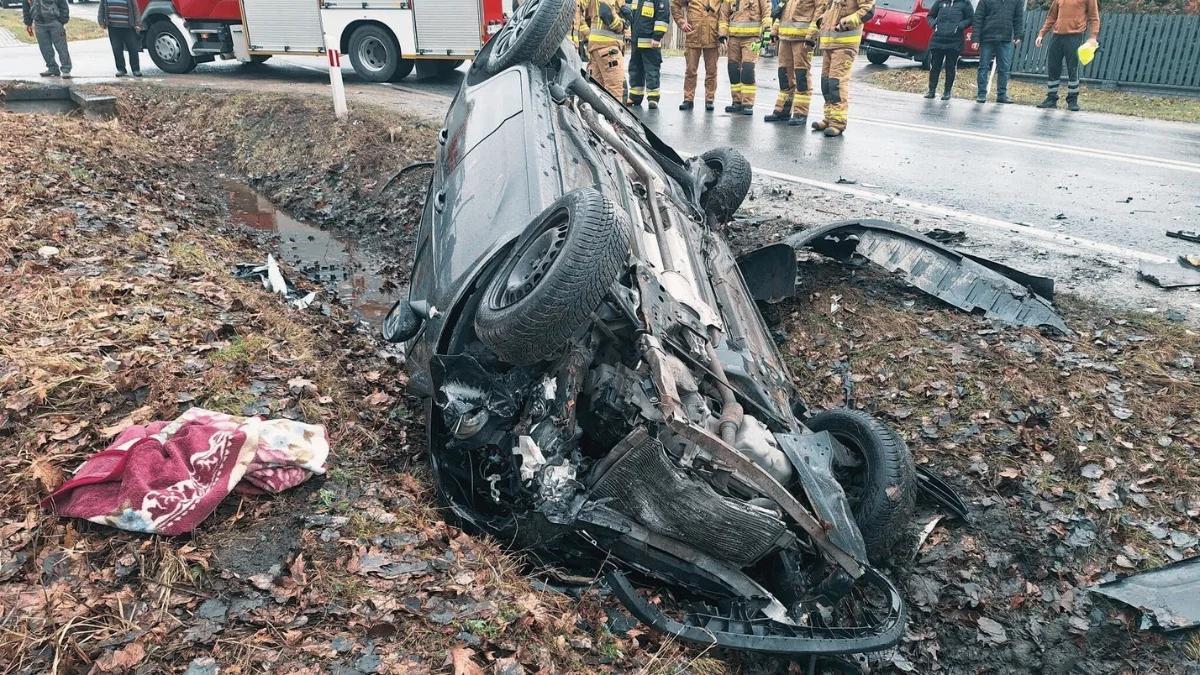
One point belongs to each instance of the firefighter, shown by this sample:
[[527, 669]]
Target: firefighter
[[698, 21], [744, 26], [797, 34], [840, 27], [648, 27], [580, 30], [606, 44]]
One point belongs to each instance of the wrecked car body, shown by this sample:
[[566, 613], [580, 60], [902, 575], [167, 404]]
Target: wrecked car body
[[602, 391]]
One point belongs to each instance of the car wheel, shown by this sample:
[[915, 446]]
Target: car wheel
[[375, 54], [554, 279], [722, 197], [168, 49], [532, 35], [878, 475], [923, 59], [877, 57]]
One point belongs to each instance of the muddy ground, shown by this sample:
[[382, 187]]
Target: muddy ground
[[1078, 456]]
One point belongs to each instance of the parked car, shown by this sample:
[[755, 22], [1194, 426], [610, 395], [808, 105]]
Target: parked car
[[601, 389], [899, 28]]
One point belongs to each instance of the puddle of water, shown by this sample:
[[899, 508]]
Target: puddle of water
[[320, 257]]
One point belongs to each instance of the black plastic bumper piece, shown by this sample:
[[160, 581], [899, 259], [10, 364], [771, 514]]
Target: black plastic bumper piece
[[765, 635]]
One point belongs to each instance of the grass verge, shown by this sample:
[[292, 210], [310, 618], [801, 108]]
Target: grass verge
[[1174, 108], [77, 28]]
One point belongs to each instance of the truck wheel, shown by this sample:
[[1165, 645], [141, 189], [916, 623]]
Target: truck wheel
[[554, 278], [259, 59], [879, 476], [532, 35], [168, 49], [877, 57], [375, 54], [722, 197]]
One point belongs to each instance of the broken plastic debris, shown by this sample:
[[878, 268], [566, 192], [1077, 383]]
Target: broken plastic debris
[[1186, 235], [273, 280], [531, 457], [1169, 596], [1169, 275]]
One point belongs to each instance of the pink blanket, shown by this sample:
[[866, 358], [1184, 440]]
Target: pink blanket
[[167, 477]]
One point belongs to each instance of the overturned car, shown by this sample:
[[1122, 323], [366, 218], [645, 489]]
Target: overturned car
[[602, 390]]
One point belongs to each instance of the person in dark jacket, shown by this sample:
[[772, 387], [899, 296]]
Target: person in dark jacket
[[122, 19], [950, 20], [651, 18], [47, 19], [999, 25]]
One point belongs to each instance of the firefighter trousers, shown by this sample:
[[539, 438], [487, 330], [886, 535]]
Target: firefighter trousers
[[693, 56], [606, 65], [795, 84], [645, 66], [741, 70], [835, 84]]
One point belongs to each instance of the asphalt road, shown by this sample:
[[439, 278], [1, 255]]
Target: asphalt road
[[1112, 184]]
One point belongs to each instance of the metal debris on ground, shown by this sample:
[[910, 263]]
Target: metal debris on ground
[[1168, 596], [846, 181], [956, 278], [1177, 274], [1186, 235], [938, 491]]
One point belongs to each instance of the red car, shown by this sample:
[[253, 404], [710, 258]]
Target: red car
[[899, 29]]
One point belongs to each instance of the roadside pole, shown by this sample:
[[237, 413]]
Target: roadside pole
[[335, 79]]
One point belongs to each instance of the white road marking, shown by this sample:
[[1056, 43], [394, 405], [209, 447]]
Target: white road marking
[[1058, 238], [1142, 160]]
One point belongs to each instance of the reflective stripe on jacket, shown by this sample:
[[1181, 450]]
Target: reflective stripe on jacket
[[744, 18], [650, 19], [851, 11]]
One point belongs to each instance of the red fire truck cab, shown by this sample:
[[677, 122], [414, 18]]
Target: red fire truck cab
[[385, 40]]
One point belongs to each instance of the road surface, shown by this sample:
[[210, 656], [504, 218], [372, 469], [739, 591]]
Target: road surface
[[1113, 184]]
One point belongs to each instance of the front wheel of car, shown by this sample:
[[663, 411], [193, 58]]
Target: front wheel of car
[[532, 35], [554, 279], [877, 473], [877, 57], [724, 193]]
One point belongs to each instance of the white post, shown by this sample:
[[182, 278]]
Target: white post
[[335, 79]]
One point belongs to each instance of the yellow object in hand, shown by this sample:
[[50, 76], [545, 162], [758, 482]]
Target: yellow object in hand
[[1087, 52]]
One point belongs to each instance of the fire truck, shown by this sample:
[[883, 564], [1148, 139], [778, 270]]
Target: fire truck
[[385, 40]]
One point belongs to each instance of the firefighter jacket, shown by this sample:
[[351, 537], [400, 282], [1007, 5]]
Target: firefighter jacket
[[797, 21], [744, 18], [841, 23], [702, 15], [606, 22], [580, 28], [650, 22]]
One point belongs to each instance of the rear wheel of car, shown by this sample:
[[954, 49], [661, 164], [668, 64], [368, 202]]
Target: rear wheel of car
[[923, 58], [877, 57], [554, 279], [724, 195], [375, 55], [532, 35], [168, 49], [878, 475]]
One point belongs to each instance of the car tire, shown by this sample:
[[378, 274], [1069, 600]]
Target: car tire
[[877, 57], [554, 279], [924, 60], [375, 55], [722, 198], [882, 488], [168, 49], [532, 35]]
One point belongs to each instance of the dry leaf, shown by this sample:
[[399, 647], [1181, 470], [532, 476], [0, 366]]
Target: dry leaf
[[460, 659], [47, 475]]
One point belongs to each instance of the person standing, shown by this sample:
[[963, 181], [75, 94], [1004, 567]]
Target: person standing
[[840, 28], [1069, 20], [698, 21], [123, 23], [949, 19], [606, 44], [797, 34], [650, 21], [999, 25], [743, 27], [47, 20]]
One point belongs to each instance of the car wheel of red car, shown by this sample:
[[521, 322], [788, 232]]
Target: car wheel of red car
[[554, 279], [877, 57], [878, 475]]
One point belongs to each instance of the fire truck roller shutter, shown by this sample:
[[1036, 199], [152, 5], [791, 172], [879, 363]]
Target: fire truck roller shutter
[[375, 54], [284, 26]]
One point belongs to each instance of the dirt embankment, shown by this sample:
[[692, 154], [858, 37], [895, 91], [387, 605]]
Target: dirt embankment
[[1078, 455]]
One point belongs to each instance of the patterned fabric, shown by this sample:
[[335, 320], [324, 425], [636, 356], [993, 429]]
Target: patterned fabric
[[167, 477], [117, 14]]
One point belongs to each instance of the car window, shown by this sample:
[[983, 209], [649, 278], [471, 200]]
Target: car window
[[897, 5]]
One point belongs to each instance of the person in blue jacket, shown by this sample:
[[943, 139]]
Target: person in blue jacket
[[950, 20]]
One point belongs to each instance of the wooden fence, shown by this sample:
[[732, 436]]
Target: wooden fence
[[1154, 51]]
